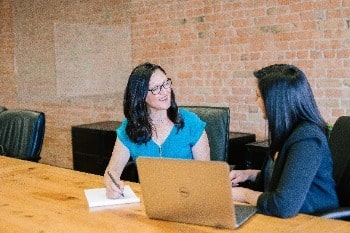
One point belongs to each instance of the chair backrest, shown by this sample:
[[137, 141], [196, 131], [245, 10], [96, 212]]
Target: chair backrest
[[339, 143], [22, 134], [2, 108], [218, 127]]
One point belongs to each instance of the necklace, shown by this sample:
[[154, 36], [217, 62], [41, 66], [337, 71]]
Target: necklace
[[161, 130], [160, 121]]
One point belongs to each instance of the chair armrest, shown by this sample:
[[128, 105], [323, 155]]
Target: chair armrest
[[342, 213]]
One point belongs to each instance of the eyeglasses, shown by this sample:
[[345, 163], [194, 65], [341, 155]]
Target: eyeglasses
[[157, 89]]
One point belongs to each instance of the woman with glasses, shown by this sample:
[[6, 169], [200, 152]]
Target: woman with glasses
[[297, 175], [154, 126]]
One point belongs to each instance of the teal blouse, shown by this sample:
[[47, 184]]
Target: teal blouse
[[177, 145]]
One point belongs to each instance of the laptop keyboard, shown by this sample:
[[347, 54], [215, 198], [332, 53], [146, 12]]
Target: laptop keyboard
[[243, 212]]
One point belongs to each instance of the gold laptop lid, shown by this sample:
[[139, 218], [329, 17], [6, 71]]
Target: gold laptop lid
[[189, 191]]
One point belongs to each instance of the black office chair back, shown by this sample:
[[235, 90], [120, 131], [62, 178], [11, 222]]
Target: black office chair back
[[339, 143], [22, 134], [2, 108], [218, 127]]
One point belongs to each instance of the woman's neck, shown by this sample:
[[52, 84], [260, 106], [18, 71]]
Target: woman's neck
[[159, 117]]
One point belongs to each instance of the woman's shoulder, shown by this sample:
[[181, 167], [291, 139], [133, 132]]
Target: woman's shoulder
[[309, 127], [121, 128], [123, 123], [308, 130], [184, 112], [193, 124], [188, 115]]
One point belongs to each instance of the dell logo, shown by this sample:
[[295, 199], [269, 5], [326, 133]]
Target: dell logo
[[184, 192]]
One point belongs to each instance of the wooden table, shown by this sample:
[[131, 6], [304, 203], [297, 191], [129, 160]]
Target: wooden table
[[41, 198]]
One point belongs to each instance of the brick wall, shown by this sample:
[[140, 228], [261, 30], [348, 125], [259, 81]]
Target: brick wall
[[208, 48], [7, 82]]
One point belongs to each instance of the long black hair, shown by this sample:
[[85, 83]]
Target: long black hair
[[139, 126], [288, 100]]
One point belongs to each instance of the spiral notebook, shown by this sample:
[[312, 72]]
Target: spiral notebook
[[97, 197]]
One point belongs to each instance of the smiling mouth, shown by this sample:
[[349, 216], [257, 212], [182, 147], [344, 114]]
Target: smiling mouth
[[165, 98]]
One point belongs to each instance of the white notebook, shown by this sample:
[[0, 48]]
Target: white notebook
[[97, 197]]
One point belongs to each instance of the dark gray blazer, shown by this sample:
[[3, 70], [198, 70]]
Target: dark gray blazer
[[301, 180]]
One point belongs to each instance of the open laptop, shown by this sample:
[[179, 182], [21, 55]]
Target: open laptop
[[190, 191]]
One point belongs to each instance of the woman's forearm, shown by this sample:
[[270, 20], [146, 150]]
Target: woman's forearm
[[245, 195]]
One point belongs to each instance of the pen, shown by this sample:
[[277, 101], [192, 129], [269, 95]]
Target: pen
[[113, 180]]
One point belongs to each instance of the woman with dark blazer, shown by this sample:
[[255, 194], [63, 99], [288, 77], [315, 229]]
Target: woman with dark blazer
[[297, 175]]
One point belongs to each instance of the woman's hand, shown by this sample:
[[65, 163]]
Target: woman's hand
[[112, 191], [245, 195], [120, 157], [238, 194], [240, 176]]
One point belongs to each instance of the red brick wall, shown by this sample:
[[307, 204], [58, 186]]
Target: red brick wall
[[7, 82], [208, 48]]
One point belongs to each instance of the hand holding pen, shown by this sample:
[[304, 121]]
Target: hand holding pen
[[114, 182]]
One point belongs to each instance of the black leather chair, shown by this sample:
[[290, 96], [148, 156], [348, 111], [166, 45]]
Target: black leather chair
[[218, 127], [22, 134], [339, 143], [2, 108]]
